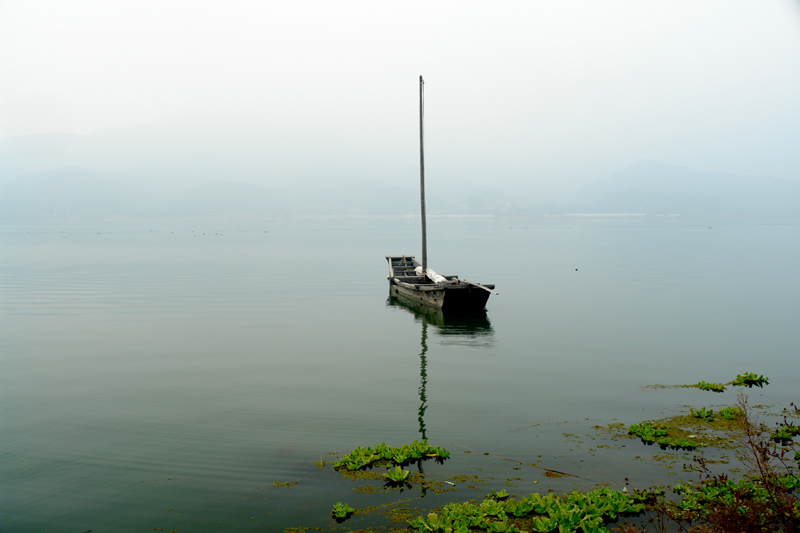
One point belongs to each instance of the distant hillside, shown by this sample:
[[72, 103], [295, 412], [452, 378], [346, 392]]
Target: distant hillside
[[198, 170], [653, 187], [205, 169], [181, 153], [77, 192]]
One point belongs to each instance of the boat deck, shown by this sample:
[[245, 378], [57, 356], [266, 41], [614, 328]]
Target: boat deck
[[452, 294]]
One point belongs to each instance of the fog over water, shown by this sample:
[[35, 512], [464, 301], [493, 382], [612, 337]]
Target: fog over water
[[314, 105]]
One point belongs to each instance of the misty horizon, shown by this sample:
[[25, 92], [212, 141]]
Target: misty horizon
[[188, 171], [542, 99]]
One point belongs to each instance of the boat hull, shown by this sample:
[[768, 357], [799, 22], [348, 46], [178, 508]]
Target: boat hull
[[451, 295], [452, 299]]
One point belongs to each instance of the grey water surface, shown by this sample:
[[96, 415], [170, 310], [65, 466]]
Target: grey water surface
[[163, 374]]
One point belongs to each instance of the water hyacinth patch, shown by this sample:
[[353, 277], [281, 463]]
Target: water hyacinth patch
[[786, 433], [705, 414], [396, 475], [502, 495], [341, 511], [647, 432], [651, 434], [750, 379], [575, 512], [696, 501], [365, 456], [730, 413], [713, 387]]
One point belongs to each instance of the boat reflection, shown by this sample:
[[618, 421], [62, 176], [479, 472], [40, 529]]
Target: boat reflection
[[468, 330], [472, 329]]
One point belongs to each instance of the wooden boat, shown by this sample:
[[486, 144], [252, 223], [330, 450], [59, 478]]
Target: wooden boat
[[409, 278], [450, 294]]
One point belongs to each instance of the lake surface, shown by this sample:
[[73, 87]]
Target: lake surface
[[163, 374]]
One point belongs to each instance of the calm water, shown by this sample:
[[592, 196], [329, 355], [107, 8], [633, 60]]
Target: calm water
[[164, 374]]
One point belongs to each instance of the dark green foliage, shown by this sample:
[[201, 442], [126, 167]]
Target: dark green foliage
[[764, 501], [785, 433], [651, 434], [714, 387], [730, 413], [705, 414], [740, 506], [396, 475], [381, 453], [502, 495], [750, 379], [575, 512], [341, 511]]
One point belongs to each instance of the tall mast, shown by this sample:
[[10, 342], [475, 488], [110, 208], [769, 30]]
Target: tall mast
[[422, 178]]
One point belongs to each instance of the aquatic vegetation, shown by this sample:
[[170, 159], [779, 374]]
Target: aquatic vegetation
[[750, 379], [342, 511], [763, 501], [713, 387], [705, 414], [730, 413], [401, 514], [651, 434], [397, 475], [694, 428], [365, 456], [502, 495], [785, 433], [369, 489], [747, 501], [284, 484], [587, 512]]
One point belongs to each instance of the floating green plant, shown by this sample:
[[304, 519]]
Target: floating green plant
[[786, 433], [651, 434], [342, 511], [397, 475], [696, 500], [714, 387], [730, 413], [750, 379], [648, 432], [365, 456], [705, 414], [502, 495], [574, 512]]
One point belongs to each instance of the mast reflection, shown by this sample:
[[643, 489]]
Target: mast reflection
[[464, 330], [423, 374]]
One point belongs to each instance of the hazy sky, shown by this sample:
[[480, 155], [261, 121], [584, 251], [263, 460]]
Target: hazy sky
[[532, 88]]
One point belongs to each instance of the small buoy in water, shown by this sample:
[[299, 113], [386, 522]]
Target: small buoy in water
[[576, 270]]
